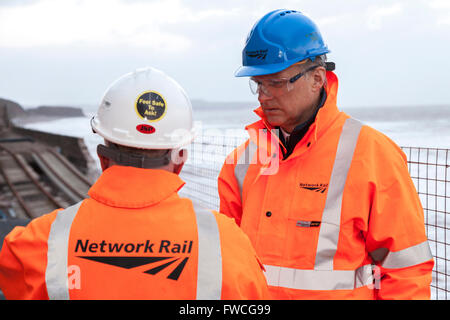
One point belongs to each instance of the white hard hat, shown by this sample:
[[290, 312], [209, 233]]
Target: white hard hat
[[145, 109]]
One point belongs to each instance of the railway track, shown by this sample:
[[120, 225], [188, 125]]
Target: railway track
[[37, 181]]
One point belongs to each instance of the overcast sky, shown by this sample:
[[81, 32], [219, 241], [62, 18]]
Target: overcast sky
[[67, 52]]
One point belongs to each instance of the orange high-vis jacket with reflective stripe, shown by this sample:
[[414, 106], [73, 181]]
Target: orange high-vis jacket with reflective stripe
[[134, 238], [340, 218]]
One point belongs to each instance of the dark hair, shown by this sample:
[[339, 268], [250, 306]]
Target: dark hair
[[151, 153]]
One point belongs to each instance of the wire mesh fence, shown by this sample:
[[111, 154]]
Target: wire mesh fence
[[206, 157], [428, 167], [429, 170]]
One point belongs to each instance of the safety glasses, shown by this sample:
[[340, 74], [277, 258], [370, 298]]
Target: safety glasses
[[278, 86]]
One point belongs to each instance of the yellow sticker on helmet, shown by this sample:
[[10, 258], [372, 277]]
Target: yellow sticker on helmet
[[150, 106]]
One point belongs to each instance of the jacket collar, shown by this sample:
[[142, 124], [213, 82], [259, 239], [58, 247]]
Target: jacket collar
[[325, 116], [129, 187]]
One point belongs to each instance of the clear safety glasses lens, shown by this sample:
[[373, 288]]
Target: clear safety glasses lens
[[272, 89], [254, 86], [277, 87]]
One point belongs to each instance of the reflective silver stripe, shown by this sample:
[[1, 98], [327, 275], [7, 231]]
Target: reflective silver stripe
[[404, 258], [331, 217], [319, 279], [241, 168], [56, 274], [209, 274]]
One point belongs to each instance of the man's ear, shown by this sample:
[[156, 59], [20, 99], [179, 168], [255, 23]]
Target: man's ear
[[181, 158], [319, 78], [104, 162]]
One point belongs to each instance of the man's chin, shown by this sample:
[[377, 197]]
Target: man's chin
[[274, 121]]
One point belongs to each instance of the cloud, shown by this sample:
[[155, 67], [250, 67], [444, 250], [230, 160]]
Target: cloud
[[95, 23], [14, 3], [443, 11], [48, 47], [439, 4], [376, 15], [164, 25]]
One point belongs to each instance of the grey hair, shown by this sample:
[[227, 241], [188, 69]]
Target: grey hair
[[318, 60]]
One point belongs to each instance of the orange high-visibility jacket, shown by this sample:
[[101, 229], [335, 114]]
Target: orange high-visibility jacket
[[340, 218], [134, 238]]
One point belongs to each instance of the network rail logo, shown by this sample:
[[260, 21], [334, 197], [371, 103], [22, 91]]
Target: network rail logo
[[316, 187], [133, 262], [174, 255], [258, 54]]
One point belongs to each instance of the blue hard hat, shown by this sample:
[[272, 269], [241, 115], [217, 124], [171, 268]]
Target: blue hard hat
[[278, 40]]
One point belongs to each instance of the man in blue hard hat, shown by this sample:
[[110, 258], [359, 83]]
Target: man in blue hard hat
[[340, 217]]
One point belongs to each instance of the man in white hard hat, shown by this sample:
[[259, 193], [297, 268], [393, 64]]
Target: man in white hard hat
[[134, 238]]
